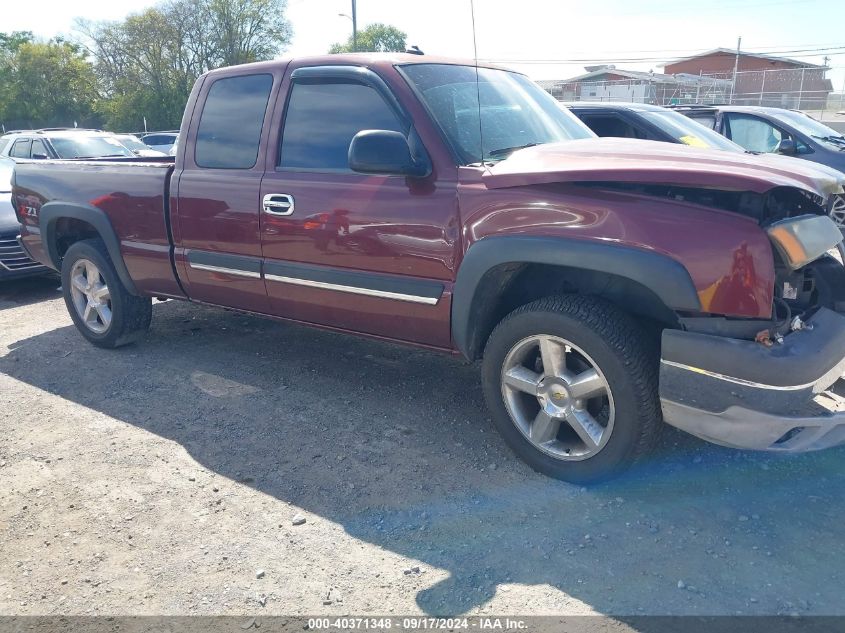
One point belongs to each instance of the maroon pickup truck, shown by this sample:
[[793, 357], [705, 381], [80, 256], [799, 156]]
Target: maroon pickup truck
[[608, 285]]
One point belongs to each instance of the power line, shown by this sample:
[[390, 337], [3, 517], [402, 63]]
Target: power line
[[781, 48], [597, 60]]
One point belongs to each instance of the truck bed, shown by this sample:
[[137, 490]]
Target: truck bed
[[131, 193]]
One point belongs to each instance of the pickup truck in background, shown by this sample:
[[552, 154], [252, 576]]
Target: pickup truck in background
[[608, 285]]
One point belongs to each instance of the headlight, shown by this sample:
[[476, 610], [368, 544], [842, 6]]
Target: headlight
[[804, 239]]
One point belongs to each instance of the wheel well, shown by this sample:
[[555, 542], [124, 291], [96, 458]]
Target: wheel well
[[509, 286], [71, 230]]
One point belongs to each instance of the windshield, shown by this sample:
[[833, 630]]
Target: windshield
[[686, 131], [810, 127], [515, 112], [132, 142], [88, 147]]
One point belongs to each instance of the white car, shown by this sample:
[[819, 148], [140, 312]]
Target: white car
[[53, 143], [133, 143], [161, 141]]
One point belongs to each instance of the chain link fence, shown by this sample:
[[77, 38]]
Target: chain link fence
[[807, 89]]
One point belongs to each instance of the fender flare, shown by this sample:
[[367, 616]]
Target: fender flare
[[52, 212], [661, 274]]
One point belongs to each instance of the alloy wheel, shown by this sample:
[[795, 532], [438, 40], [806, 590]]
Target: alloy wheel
[[91, 296], [557, 397]]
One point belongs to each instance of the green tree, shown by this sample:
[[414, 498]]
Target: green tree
[[379, 38], [45, 83], [9, 45], [147, 63]]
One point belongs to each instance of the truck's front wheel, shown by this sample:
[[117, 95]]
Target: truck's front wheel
[[571, 383], [99, 304]]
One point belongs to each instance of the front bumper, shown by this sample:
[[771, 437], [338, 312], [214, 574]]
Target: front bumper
[[743, 395]]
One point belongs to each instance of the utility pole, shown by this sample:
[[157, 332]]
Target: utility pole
[[354, 27], [736, 68]]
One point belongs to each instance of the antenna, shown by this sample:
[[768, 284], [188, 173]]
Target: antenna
[[477, 83]]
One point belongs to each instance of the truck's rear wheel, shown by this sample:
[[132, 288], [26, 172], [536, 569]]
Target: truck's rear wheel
[[99, 304], [571, 383]]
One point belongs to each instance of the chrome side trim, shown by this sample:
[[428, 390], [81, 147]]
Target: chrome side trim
[[353, 289], [736, 381], [227, 271]]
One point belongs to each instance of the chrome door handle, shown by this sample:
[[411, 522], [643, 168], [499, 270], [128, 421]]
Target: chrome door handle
[[278, 204]]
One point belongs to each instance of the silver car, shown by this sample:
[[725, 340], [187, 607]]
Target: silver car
[[61, 143], [14, 262]]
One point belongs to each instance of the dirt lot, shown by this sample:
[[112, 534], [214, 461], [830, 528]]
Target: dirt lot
[[164, 478]]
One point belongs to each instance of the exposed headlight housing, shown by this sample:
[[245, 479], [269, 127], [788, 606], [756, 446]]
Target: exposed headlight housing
[[804, 239]]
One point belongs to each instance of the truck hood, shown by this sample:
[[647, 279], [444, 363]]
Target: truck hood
[[649, 162]]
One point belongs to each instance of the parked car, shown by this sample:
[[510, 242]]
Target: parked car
[[776, 130], [14, 262], [647, 122], [608, 285], [655, 123], [134, 144], [160, 141], [61, 143]]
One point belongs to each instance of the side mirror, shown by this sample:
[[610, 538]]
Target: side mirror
[[384, 152], [787, 146], [40, 156]]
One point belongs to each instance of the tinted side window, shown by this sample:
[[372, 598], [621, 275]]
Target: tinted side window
[[611, 125], [231, 121], [38, 147], [21, 149], [322, 118], [160, 139]]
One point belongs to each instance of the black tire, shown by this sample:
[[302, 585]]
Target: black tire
[[131, 315], [624, 353]]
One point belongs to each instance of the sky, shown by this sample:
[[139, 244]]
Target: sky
[[542, 38]]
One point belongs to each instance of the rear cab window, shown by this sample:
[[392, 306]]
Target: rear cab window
[[321, 119], [229, 131]]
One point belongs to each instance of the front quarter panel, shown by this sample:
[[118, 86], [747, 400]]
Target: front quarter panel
[[727, 255]]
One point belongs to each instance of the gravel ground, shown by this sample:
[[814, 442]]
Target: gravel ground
[[230, 465]]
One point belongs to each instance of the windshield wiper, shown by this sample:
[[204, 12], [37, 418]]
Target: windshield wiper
[[506, 151], [838, 140]]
